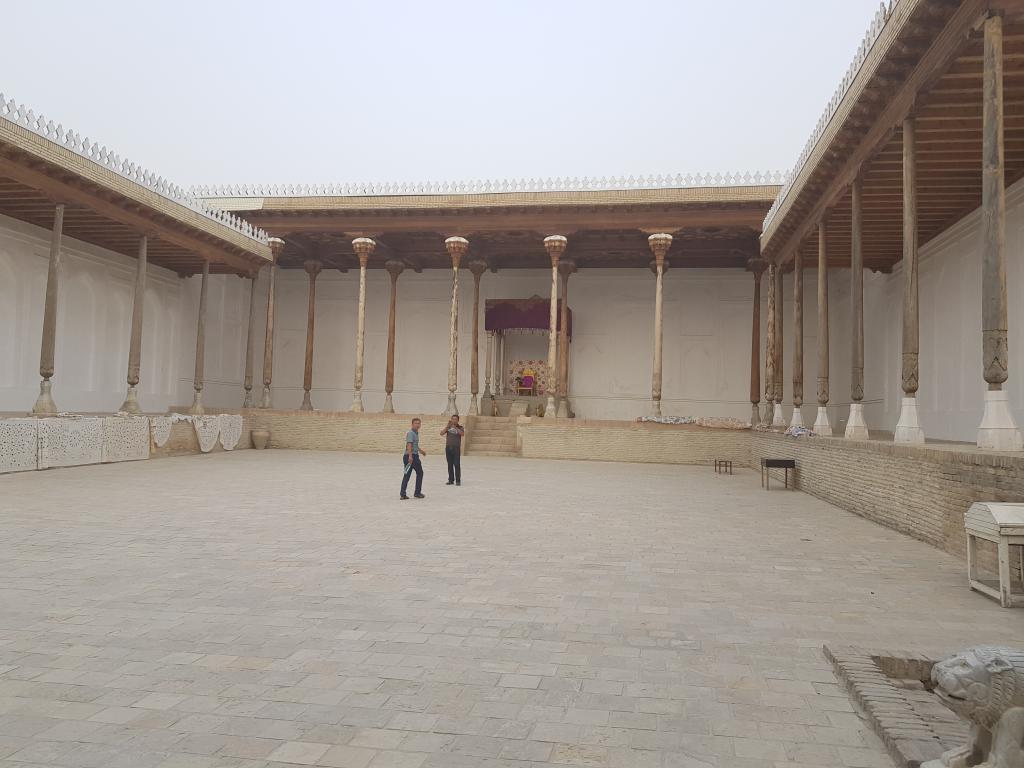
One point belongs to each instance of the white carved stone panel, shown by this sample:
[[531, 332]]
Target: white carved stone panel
[[19, 448], [125, 438], [161, 430], [207, 431], [69, 442], [230, 430]]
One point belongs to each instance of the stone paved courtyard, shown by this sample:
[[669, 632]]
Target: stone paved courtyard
[[277, 608]]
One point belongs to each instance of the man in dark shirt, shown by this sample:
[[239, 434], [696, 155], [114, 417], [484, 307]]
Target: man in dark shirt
[[453, 433]]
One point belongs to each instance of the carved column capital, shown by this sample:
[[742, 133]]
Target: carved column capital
[[312, 267], [276, 247], [757, 266], [566, 267], [653, 264], [477, 267], [363, 247], [395, 267], [555, 245], [457, 248], [660, 243]]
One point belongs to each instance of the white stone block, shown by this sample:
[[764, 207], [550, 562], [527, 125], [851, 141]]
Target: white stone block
[[19, 447], [998, 430], [908, 430], [125, 438], [856, 427], [70, 441]]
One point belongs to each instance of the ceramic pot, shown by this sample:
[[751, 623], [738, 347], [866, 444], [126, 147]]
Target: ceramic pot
[[260, 438]]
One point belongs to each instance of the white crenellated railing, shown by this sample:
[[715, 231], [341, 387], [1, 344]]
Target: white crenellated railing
[[883, 14], [560, 184], [91, 150]]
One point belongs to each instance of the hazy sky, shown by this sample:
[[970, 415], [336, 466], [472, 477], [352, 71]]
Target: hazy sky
[[286, 92]]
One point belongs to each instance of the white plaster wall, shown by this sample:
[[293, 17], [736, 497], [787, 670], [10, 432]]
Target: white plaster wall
[[93, 325]]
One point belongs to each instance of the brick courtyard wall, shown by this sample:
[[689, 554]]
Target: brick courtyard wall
[[631, 441], [183, 441], [918, 490]]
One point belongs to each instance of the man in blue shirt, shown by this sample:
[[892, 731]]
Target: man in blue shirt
[[411, 461]]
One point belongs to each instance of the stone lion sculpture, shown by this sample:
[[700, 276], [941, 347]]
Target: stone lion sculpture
[[985, 686]]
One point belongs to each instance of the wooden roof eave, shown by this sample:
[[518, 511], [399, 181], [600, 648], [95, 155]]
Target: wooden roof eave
[[783, 235], [24, 155]]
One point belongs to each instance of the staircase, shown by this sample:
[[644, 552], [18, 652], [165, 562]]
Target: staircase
[[491, 436]]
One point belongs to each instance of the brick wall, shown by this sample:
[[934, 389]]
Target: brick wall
[[631, 441], [183, 441], [918, 490]]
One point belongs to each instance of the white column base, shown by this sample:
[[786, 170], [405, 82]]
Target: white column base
[[550, 408], [197, 404], [44, 403], [247, 400], [755, 414], [452, 409], [778, 418], [131, 402], [998, 430], [798, 418], [856, 428], [766, 413], [821, 425], [265, 402], [389, 404], [357, 402], [474, 406], [563, 408], [908, 430], [656, 407]]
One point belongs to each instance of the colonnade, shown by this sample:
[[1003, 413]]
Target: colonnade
[[998, 430]]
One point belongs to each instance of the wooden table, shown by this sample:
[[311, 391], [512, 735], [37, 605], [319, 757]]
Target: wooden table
[[723, 465], [767, 465]]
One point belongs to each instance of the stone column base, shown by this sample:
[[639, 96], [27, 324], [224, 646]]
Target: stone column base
[[44, 403], [389, 404], [908, 430], [307, 403], [767, 412], [778, 418], [131, 401], [247, 400], [550, 409], [856, 428], [656, 407], [451, 409], [474, 406], [265, 402], [755, 414], [357, 402], [821, 425], [998, 430], [197, 404], [798, 418]]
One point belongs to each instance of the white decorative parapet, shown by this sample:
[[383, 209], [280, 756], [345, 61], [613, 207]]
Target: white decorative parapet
[[883, 14], [230, 430], [207, 428], [67, 441], [560, 184], [19, 114], [125, 438], [160, 428]]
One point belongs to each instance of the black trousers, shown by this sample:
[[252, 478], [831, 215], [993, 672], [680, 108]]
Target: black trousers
[[454, 464], [417, 467]]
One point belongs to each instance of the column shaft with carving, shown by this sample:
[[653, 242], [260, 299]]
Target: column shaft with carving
[[798, 338], [659, 244], [394, 268], [477, 268], [198, 379], [312, 267], [131, 401], [363, 246], [555, 245], [250, 340], [908, 429], [821, 423], [457, 248], [856, 428], [44, 403], [998, 430], [756, 267], [769, 351], [778, 421], [565, 268], [488, 369], [276, 248]]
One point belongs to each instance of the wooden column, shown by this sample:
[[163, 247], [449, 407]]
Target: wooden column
[[908, 429], [856, 428], [250, 341], [778, 421], [197, 381], [276, 248], [565, 268], [767, 417], [756, 267], [798, 338], [131, 401], [363, 246], [821, 423], [457, 247], [499, 363], [555, 245], [998, 430], [488, 371], [477, 267], [394, 268], [659, 244], [312, 267], [44, 403]]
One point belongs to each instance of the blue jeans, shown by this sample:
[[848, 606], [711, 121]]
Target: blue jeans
[[417, 467]]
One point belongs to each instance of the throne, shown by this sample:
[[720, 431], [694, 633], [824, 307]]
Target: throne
[[526, 384]]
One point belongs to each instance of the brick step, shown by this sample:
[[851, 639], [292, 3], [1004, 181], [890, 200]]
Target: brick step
[[475, 452], [500, 443]]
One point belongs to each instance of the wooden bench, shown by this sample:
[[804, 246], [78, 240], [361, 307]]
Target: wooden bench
[[767, 465]]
